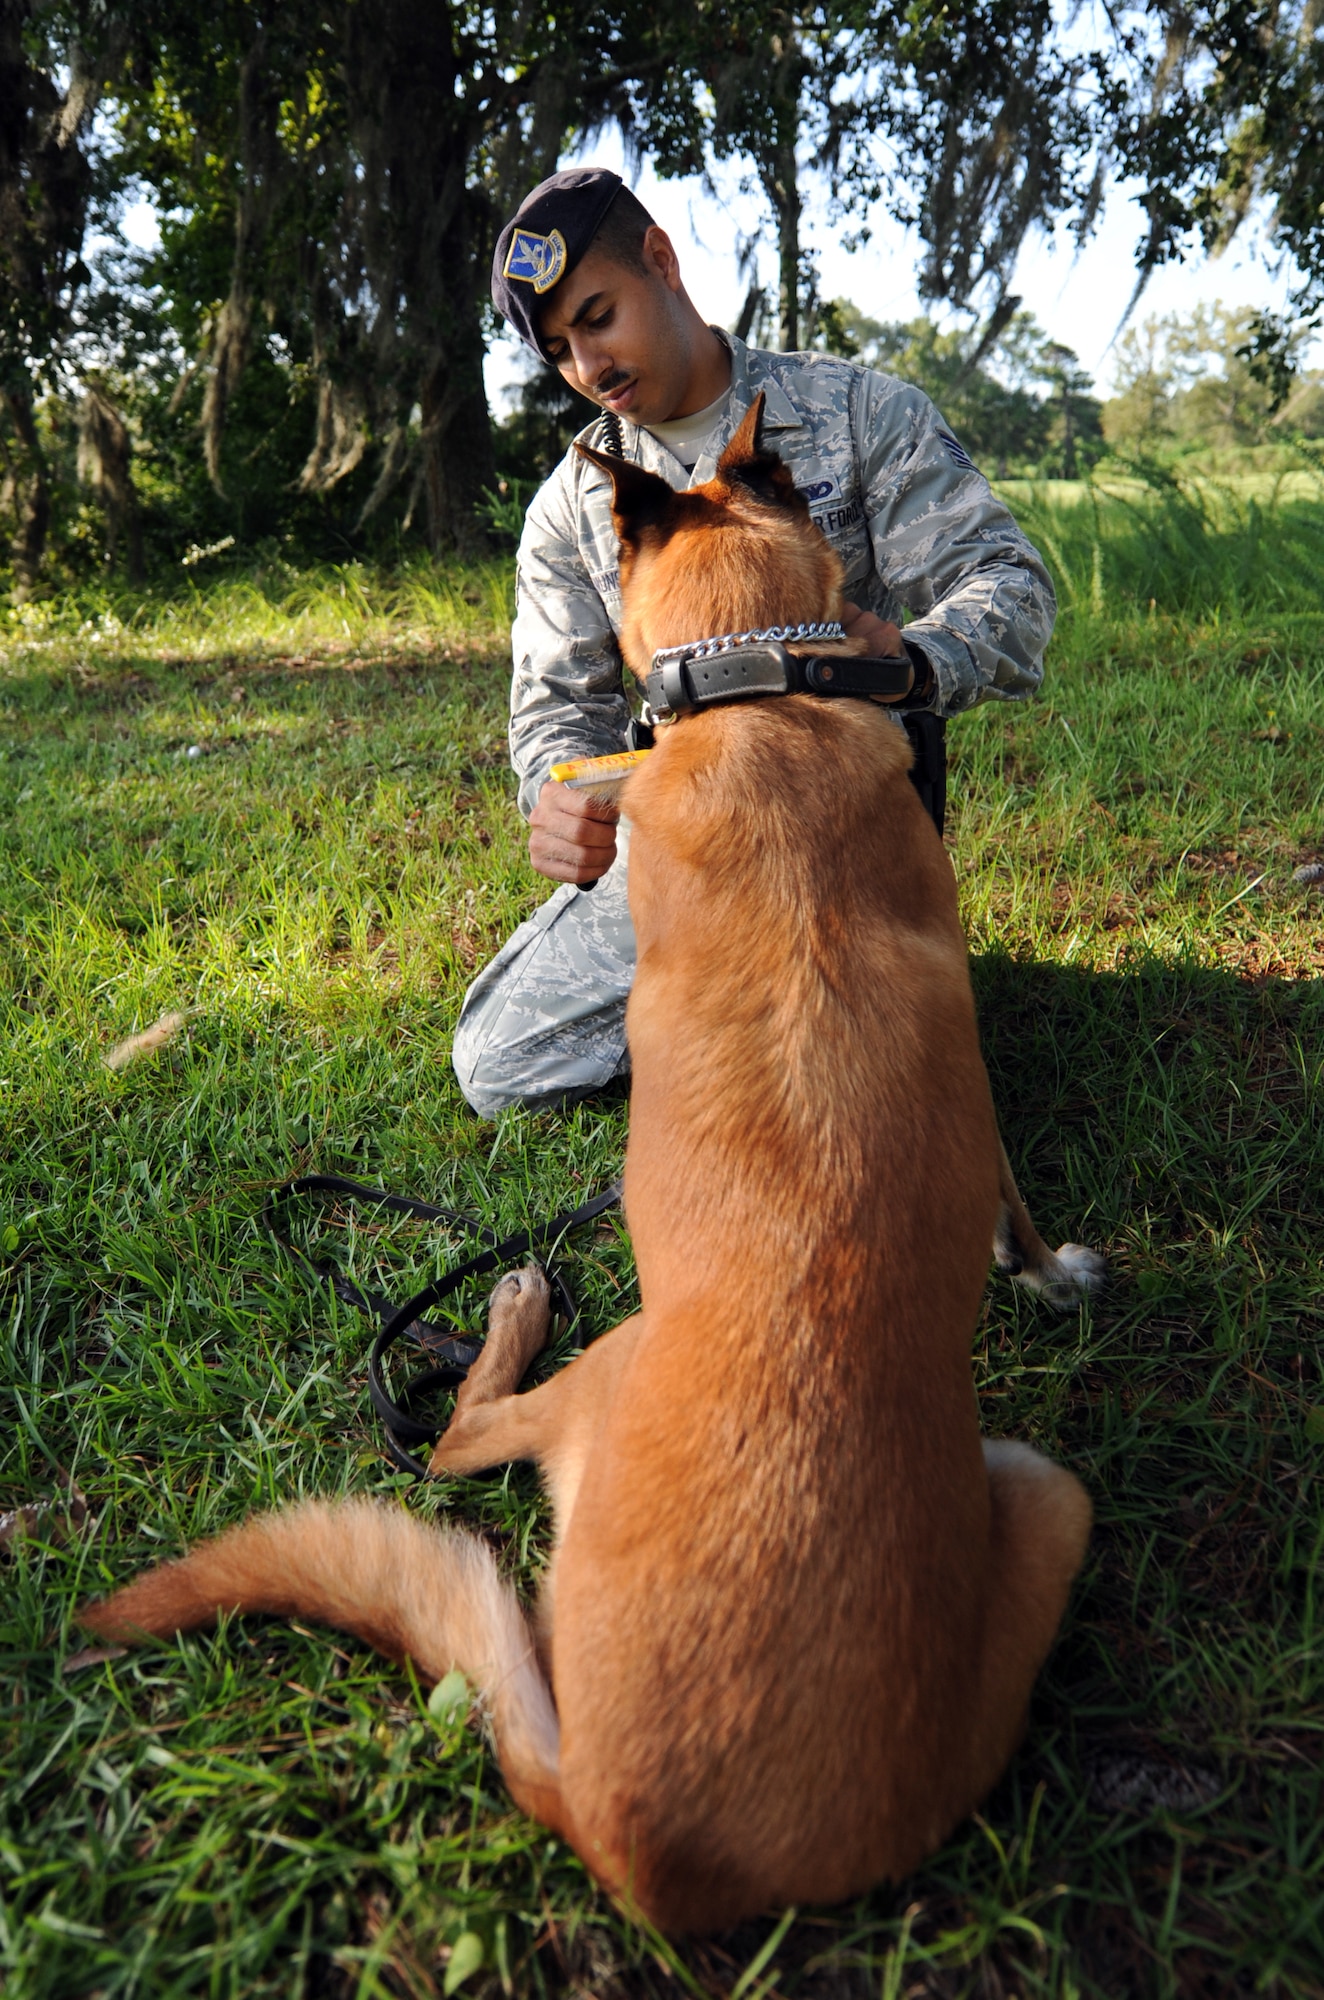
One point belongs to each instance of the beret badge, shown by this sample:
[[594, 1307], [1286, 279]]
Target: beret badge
[[543, 242], [536, 260]]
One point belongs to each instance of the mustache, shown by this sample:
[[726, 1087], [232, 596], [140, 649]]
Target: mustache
[[616, 380]]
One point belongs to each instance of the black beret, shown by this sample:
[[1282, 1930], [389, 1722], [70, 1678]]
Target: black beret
[[545, 240]]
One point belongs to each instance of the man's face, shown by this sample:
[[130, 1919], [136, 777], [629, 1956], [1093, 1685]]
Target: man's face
[[620, 336]]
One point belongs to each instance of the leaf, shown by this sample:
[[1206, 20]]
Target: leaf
[[1315, 1424], [162, 1030], [10, 1240], [92, 1656], [448, 1698], [466, 1952]]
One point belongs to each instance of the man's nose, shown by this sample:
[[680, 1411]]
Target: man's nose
[[591, 366]]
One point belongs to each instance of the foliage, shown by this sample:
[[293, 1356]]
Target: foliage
[[300, 361], [1220, 126], [1018, 402], [355, 164], [1187, 379], [972, 121], [277, 1812]]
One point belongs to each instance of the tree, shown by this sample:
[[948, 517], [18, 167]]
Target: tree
[[966, 119], [360, 155], [53, 66], [1185, 380], [1139, 415], [1224, 122], [105, 453], [990, 393]]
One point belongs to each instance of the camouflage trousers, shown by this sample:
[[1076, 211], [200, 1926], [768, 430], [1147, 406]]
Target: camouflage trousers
[[546, 1019]]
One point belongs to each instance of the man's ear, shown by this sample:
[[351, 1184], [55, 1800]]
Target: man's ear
[[747, 463], [639, 499]]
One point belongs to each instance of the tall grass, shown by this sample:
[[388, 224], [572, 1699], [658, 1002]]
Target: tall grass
[[1136, 541], [1184, 547]]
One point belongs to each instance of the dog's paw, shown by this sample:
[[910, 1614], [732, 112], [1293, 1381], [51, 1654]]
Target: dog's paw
[[522, 1291], [1065, 1275], [520, 1309]]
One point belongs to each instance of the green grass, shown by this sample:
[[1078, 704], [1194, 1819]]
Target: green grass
[[272, 1812]]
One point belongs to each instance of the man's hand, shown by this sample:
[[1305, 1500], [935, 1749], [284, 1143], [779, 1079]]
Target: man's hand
[[573, 836], [884, 640]]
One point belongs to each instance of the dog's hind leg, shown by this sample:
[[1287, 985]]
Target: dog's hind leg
[[413, 1593], [556, 1423], [1039, 1529], [518, 1316], [1019, 1250]]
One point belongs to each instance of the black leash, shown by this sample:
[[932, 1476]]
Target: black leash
[[452, 1355]]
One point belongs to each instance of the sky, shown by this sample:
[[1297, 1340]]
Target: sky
[[1077, 297]]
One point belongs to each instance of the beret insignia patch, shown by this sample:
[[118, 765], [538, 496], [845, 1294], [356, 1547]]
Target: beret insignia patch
[[537, 260]]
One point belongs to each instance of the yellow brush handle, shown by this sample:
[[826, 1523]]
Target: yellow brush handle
[[582, 773]]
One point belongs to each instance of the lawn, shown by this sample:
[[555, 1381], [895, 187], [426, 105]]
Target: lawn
[[281, 806]]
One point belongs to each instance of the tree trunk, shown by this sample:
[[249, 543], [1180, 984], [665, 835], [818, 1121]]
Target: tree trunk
[[105, 466], [783, 187], [32, 495], [415, 121], [45, 185], [458, 460], [749, 311]]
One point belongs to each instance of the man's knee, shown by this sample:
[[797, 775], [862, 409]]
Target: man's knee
[[486, 1090], [517, 1045], [536, 1072], [545, 1021]]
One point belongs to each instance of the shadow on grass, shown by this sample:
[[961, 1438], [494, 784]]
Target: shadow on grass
[[317, 674]]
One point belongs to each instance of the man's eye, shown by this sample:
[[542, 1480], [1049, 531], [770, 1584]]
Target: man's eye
[[603, 319]]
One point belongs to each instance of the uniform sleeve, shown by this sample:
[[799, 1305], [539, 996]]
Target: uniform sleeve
[[566, 698], [982, 601]]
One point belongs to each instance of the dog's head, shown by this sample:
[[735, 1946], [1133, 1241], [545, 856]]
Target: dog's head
[[732, 555]]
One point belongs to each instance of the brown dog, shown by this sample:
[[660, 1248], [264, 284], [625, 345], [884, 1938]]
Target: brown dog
[[788, 1634]]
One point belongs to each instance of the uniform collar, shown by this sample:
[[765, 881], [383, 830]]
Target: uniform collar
[[748, 375]]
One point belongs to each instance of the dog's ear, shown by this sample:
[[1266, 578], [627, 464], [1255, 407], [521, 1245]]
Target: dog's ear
[[639, 499], [746, 462]]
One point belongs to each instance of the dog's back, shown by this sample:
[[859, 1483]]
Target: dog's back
[[793, 1467]]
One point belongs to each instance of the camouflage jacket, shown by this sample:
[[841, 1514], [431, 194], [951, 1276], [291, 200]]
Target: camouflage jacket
[[914, 523]]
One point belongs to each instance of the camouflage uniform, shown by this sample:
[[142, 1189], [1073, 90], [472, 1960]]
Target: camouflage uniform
[[915, 525]]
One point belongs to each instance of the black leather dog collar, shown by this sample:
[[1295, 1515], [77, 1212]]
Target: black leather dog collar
[[678, 685]]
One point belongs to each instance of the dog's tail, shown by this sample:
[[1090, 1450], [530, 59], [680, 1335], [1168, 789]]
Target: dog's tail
[[409, 1590]]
